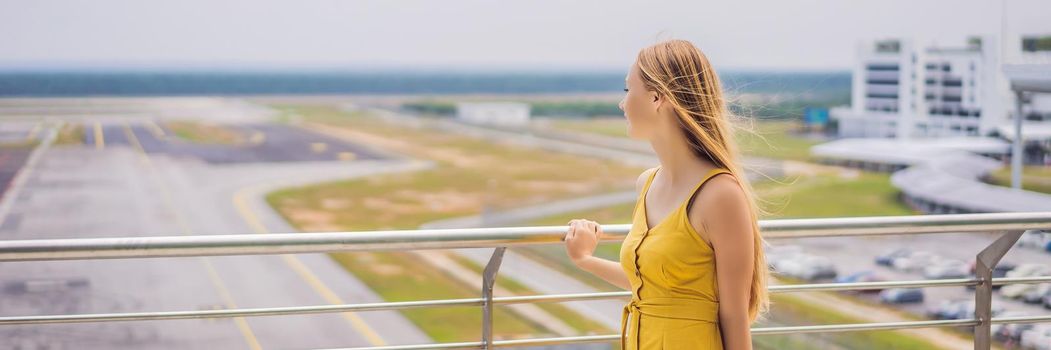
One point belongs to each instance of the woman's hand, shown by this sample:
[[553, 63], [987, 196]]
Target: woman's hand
[[582, 238]]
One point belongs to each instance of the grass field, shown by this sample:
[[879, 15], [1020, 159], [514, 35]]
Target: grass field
[[768, 138], [583, 325], [469, 174], [1034, 178], [870, 194], [397, 276], [792, 310], [205, 133], [775, 139], [70, 134]]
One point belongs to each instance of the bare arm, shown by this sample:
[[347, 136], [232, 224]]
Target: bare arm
[[726, 221], [605, 269], [581, 240]]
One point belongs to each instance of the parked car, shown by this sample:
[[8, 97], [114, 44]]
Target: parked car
[[1034, 239], [1012, 331], [1015, 291], [915, 261], [901, 295], [862, 276], [946, 268], [1000, 270], [948, 309], [807, 267], [778, 253], [958, 309], [887, 258], [1037, 294], [1038, 337]]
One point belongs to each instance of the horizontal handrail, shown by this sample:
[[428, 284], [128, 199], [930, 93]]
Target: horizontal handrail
[[1010, 224], [288, 243], [521, 299], [848, 327]]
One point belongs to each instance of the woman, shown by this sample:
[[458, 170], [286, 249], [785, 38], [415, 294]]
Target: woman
[[693, 258]]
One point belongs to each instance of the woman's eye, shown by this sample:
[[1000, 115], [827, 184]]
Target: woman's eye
[[625, 89]]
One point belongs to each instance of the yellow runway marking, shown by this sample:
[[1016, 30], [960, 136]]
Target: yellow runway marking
[[346, 156], [213, 276], [257, 137], [36, 130], [100, 141], [241, 204], [155, 129], [318, 147]]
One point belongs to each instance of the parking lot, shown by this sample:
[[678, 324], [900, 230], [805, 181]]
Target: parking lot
[[918, 257]]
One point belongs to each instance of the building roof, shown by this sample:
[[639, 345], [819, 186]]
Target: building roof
[[954, 181], [907, 151], [1030, 131], [1029, 77]]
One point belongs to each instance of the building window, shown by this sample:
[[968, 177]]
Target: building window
[[882, 67], [882, 95]]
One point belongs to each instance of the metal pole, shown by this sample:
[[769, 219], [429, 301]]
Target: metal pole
[[327, 242], [983, 293], [1016, 146], [488, 281]]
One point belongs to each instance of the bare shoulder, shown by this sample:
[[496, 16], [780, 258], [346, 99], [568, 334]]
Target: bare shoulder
[[641, 181], [720, 189], [720, 205]]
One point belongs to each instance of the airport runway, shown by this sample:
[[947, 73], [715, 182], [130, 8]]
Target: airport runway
[[133, 181]]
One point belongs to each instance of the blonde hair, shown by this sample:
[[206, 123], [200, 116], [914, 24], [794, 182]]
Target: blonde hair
[[679, 71]]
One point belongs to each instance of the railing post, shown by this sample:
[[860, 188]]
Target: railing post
[[488, 281], [983, 292]]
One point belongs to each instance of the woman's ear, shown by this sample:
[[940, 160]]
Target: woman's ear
[[656, 100]]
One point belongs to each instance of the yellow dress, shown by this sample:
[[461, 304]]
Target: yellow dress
[[674, 303]]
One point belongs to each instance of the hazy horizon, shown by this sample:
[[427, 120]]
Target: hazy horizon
[[812, 35], [361, 69]]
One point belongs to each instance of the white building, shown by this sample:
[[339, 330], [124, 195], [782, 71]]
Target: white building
[[493, 113], [904, 89]]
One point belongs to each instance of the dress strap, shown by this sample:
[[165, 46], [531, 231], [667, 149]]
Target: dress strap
[[649, 181], [693, 193], [711, 174]]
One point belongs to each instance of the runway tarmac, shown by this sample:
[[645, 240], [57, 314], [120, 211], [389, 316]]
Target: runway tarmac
[[129, 180]]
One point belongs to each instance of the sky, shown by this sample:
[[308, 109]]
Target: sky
[[469, 34]]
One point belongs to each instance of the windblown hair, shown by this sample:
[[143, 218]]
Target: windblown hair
[[680, 71]]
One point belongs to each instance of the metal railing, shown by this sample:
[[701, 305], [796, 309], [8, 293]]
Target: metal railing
[[1012, 226]]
